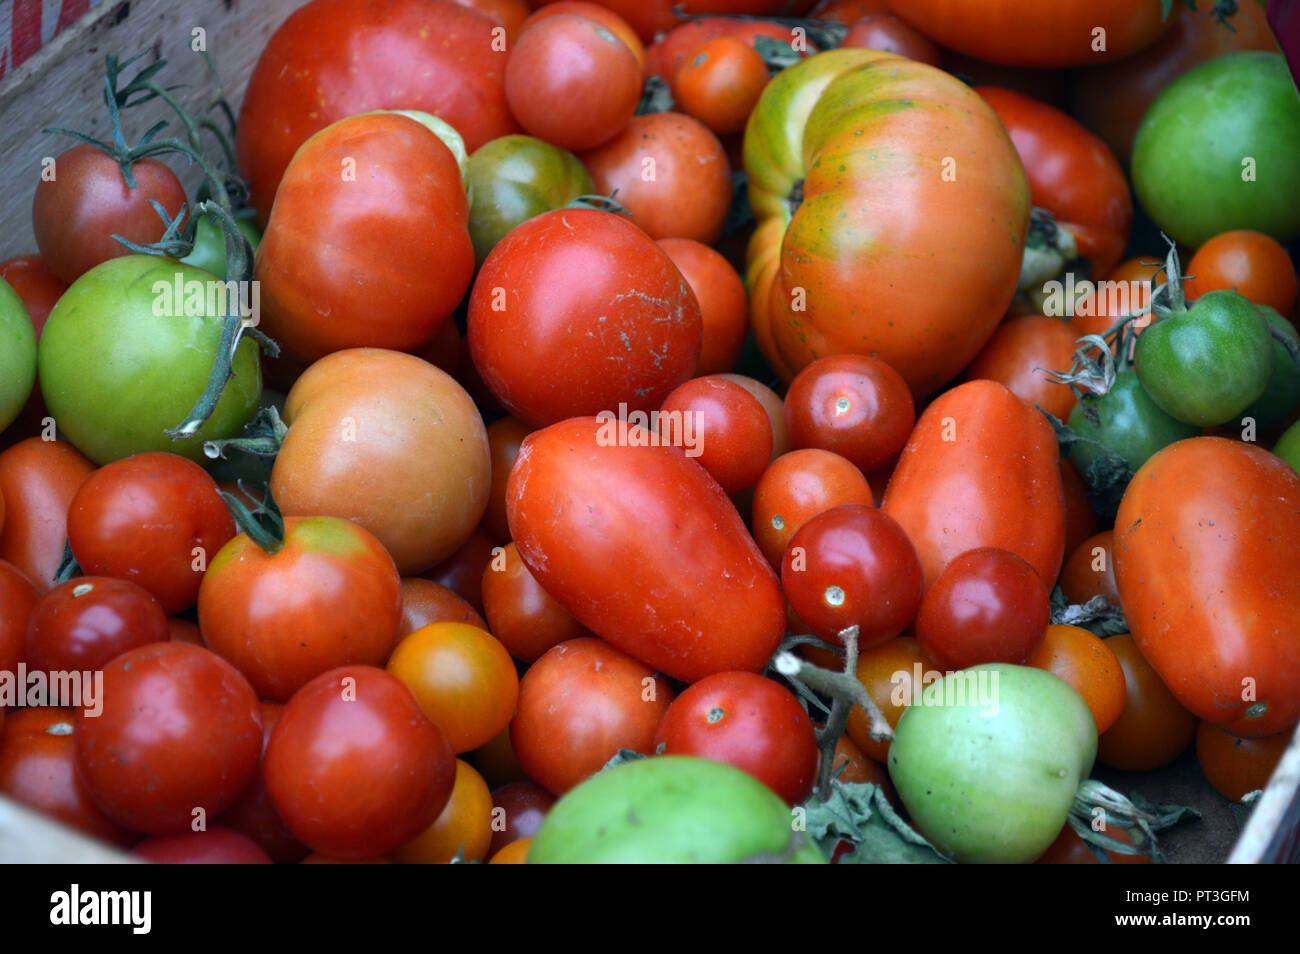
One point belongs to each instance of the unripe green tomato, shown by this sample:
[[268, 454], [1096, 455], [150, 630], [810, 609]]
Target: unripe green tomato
[[17, 354]]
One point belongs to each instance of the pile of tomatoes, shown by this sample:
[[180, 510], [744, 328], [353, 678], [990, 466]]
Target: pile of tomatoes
[[764, 432]]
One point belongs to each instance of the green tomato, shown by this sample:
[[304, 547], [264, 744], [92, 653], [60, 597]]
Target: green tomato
[[989, 761], [513, 179], [121, 361], [1126, 421], [1288, 445], [209, 251], [1219, 149], [1208, 363], [670, 809], [17, 354], [1282, 393]]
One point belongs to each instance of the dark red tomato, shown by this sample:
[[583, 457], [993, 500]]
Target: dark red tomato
[[183, 631], [36, 284], [212, 846], [853, 566], [77, 211], [17, 600], [730, 435], [354, 767], [1080, 518], [724, 306], [336, 58], [795, 488], [884, 31], [989, 605], [38, 767], [462, 572], [425, 602], [578, 705], [38, 480], [1090, 570], [504, 437], [524, 617], [330, 596], [517, 812], [180, 730], [155, 519], [576, 312], [87, 621], [253, 815], [747, 721], [572, 82], [852, 405]]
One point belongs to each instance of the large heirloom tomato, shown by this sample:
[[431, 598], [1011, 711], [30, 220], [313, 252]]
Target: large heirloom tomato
[[980, 470], [644, 548], [1206, 540], [336, 58], [892, 215]]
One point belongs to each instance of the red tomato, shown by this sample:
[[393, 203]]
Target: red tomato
[[154, 519], [17, 600], [1153, 729], [719, 84], [462, 572], [211, 846], [668, 54], [853, 566], [747, 721], [578, 705], [564, 293], [771, 402], [1020, 353], [1250, 263], [524, 617], [980, 470], [180, 730], [1080, 518], [517, 812], [510, 14], [724, 307], [795, 488], [329, 596], [1069, 849], [36, 284], [254, 816], [883, 31], [38, 480], [1237, 766], [691, 598], [354, 767], [84, 623], [1089, 665], [425, 602], [602, 14], [732, 437], [1090, 570], [504, 437]]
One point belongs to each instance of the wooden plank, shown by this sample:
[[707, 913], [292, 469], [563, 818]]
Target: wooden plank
[[62, 85], [27, 837], [1271, 834]]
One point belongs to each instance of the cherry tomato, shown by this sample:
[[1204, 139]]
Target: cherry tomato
[[517, 812], [462, 572], [36, 284], [211, 846], [732, 434], [1070, 849], [795, 488], [883, 31], [1250, 263], [724, 306], [254, 816], [853, 766], [515, 853], [1237, 766], [82, 624], [496, 761], [505, 435], [719, 84], [180, 730], [772, 403], [38, 480], [524, 617], [425, 602], [1019, 355], [604, 15], [1090, 570], [1089, 665], [892, 673], [1153, 728], [463, 827], [17, 600]]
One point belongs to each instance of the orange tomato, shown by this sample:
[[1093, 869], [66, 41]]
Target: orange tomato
[[795, 488], [38, 480], [465, 825], [720, 83], [889, 674], [1153, 728], [1236, 766], [724, 307], [515, 853], [1089, 665], [1019, 355], [1250, 263], [496, 761], [1090, 570]]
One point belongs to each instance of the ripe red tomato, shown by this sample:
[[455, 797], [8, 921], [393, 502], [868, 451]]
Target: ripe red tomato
[[720, 83], [795, 488], [518, 810], [36, 284], [510, 14], [564, 293], [524, 617], [504, 437], [883, 31], [747, 721], [17, 600], [853, 566], [154, 519], [211, 846], [724, 307], [988, 605], [732, 434], [354, 767], [771, 402], [38, 480], [83, 623], [1019, 355], [1250, 263], [253, 815], [180, 730], [602, 14], [1089, 665], [578, 705], [425, 602]]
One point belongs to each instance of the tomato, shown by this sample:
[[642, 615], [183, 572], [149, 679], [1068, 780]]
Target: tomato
[[1249, 263], [496, 761], [17, 600], [1080, 518], [723, 303], [1020, 353], [1124, 420], [425, 602], [1112, 98], [308, 76], [1025, 33], [843, 259], [572, 82], [1200, 512], [670, 173], [560, 296], [883, 31], [36, 284], [510, 14], [462, 572], [1125, 290], [254, 816], [354, 768], [747, 721], [517, 812], [795, 488], [38, 480], [180, 730], [670, 809], [318, 859], [464, 827], [853, 566], [852, 766], [183, 631], [515, 853], [504, 435], [1197, 149], [209, 846], [600, 13], [124, 356], [463, 679], [209, 252], [523, 616], [980, 470], [772, 403], [1089, 665], [578, 705], [1090, 570], [154, 519], [77, 211], [390, 442], [854, 405], [732, 437], [719, 84], [82, 624], [987, 761], [327, 595], [1153, 729], [17, 354], [514, 178], [893, 673], [847, 12], [1070, 849], [987, 606], [1237, 766], [1207, 363]]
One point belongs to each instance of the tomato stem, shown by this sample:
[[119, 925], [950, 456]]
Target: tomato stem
[[264, 524]]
